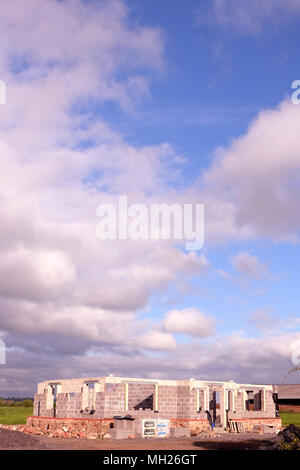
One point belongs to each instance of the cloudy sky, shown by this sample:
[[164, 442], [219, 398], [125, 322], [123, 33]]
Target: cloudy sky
[[164, 102]]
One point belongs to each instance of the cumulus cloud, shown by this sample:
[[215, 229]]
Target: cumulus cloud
[[157, 340], [59, 161], [62, 291], [69, 303], [261, 360], [190, 321], [35, 274], [249, 266], [250, 189]]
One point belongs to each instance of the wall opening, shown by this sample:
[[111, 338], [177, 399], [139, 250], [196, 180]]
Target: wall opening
[[249, 401], [214, 406], [88, 402], [52, 397]]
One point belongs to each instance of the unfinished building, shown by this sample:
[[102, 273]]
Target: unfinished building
[[194, 404]]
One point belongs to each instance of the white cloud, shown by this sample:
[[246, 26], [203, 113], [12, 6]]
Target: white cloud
[[56, 279], [265, 359], [190, 321], [247, 17], [35, 274], [65, 297], [157, 340], [251, 189], [249, 266]]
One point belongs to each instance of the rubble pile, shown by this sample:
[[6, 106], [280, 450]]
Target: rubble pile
[[289, 438], [65, 431]]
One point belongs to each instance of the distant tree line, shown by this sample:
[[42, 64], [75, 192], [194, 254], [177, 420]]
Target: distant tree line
[[27, 402]]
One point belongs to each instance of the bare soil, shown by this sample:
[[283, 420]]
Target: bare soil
[[287, 408], [18, 440], [15, 440]]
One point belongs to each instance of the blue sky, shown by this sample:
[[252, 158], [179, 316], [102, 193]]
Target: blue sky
[[216, 82], [160, 101]]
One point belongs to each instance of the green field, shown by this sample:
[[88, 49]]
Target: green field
[[18, 415], [290, 418], [14, 415]]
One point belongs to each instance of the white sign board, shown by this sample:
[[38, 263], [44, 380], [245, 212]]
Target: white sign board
[[149, 428], [163, 428]]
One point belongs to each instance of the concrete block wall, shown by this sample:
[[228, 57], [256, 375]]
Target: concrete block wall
[[39, 408], [114, 399], [167, 401], [141, 396], [183, 401], [195, 425], [68, 405], [194, 412], [192, 406], [100, 405], [241, 413], [270, 404], [176, 399], [239, 403], [193, 403]]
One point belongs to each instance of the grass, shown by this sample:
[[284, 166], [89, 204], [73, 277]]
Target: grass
[[14, 415], [18, 415], [288, 417]]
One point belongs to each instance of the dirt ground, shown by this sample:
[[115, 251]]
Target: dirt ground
[[289, 408], [15, 440]]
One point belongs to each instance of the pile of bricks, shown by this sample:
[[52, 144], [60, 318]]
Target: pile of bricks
[[76, 428], [104, 428], [66, 432], [255, 424]]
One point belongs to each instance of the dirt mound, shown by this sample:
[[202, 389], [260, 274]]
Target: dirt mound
[[289, 438], [18, 440]]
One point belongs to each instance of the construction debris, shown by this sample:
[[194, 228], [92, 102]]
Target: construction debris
[[289, 438]]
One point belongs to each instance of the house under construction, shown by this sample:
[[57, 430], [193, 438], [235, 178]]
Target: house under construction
[[196, 404]]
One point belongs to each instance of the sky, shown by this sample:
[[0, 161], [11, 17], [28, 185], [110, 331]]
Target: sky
[[165, 102]]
